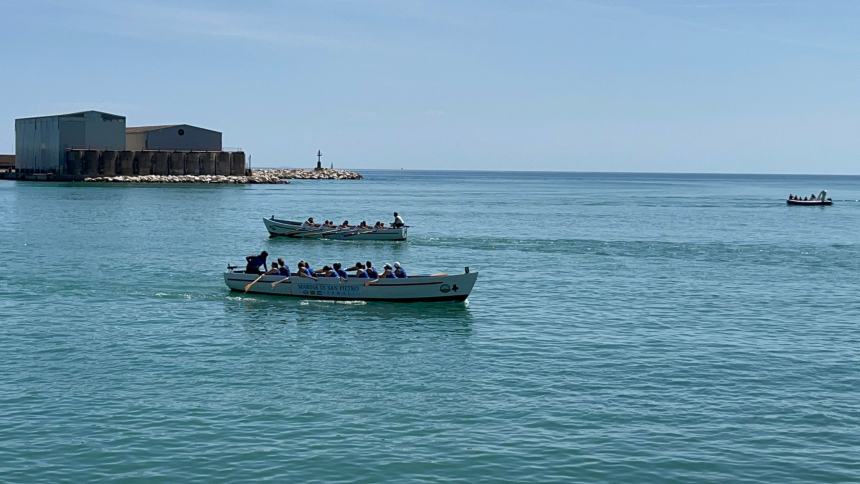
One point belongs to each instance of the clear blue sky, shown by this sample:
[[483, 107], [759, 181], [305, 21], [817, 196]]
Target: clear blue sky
[[692, 86]]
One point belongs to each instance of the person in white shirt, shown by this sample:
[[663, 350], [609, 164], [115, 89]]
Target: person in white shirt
[[398, 221], [309, 223]]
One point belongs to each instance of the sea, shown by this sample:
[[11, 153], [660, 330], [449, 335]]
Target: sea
[[623, 328]]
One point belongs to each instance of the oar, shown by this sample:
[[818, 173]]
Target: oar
[[248, 286], [283, 225], [278, 282], [322, 233], [360, 231], [302, 233]]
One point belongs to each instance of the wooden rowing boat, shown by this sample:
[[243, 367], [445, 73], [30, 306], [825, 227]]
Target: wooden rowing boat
[[429, 288], [290, 228], [820, 200], [809, 202]]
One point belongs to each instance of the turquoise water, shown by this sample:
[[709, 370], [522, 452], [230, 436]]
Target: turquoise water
[[624, 328]]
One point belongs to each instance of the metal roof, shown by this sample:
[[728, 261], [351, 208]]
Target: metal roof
[[145, 129], [79, 114]]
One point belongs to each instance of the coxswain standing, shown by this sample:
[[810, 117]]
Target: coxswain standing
[[398, 221], [254, 263]]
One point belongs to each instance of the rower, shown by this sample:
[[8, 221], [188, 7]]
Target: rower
[[254, 263], [304, 270], [363, 225], [274, 270], [371, 272], [282, 268], [309, 223], [398, 221], [328, 272], [345, 224], [340, 272], [398, 271], [360, 272], [387, 272]]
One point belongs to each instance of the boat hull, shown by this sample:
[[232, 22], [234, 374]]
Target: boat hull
[[433, 288], [292, 229], [814, 203]]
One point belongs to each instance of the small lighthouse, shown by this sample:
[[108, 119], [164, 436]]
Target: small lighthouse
[[319, 160]]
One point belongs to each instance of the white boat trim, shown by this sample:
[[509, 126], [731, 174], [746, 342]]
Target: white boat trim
[[289, 228], [422, 288]]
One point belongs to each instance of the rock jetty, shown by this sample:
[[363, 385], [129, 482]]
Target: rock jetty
[[266, 176], [255, 178], [317, 174]]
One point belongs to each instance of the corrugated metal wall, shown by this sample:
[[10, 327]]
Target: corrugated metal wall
[[40, 143], [37, 144], [183, 137]]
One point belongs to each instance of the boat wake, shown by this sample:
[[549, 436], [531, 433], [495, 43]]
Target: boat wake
[[308, 302]]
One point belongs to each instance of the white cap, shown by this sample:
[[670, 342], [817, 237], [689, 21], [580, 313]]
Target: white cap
[[396, 264]]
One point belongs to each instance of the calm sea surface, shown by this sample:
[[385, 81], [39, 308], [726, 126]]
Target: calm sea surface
[[624, 328]]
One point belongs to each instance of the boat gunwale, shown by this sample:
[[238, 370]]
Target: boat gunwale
[[297, 231], [236, 281]]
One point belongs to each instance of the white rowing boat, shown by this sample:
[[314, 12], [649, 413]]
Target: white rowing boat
[[431, 288], [290, 228]]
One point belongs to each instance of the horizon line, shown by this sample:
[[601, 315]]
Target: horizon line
[[484, 170]]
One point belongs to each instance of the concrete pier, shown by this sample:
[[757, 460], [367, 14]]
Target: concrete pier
[[91, 163], [81, 163], [142, 162], [74, 163], [207, 163], [222, 163], [192, 163], [237, 163], [125, 163], [177, 163], [107, 166], [159, 163]]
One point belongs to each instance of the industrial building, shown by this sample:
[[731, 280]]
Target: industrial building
[[92, 143], [172, 137], [41, 142]]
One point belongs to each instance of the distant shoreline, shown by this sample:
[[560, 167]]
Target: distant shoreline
[[576, 172]]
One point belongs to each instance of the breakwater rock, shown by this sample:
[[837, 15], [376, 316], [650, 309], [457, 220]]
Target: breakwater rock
[[301, 174], [265, 175], [255, 178]]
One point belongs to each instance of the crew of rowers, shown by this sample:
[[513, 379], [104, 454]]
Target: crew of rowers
[[257, 265], [329, 224], [812, 197]]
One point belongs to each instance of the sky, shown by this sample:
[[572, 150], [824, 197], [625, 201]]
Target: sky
[[725, 86]]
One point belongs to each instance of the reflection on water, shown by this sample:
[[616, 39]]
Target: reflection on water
[[255, 310]]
